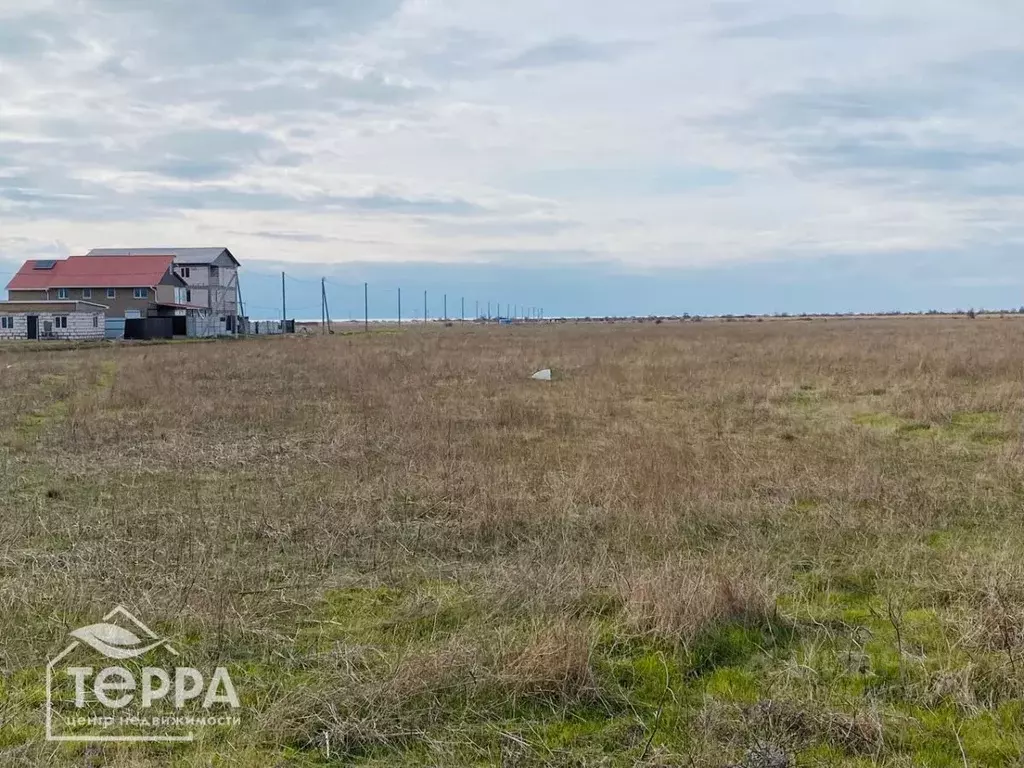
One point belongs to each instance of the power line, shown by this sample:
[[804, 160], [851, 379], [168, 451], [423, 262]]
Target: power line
[[510, 312]]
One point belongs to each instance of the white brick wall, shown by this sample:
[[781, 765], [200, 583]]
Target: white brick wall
[[20, 328], [81, 326]]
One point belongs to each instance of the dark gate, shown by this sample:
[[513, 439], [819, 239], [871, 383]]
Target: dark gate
[[149, 328], [33, 326]]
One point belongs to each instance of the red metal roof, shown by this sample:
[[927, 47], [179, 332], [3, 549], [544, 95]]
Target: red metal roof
[[93, 272]]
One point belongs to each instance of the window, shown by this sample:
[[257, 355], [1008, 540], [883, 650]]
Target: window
[[111, 293], [60, 321], [62, 293], [95, 321], [7, 323], [87, 293], [140, 293], [186, 272], [188, 297]]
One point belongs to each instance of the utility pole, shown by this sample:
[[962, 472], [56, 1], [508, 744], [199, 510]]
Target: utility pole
[[366, 307], [477, 315], [323, 306], [424, 307], [241, 305], [327, 310], [399, 307], [446, 307], [284, 306], [488, 310], [463, 309]]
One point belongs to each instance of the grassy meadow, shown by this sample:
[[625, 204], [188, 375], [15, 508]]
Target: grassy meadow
[[757, 544]]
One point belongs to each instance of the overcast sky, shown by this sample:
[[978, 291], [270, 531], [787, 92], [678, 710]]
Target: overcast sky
[[642, 136]]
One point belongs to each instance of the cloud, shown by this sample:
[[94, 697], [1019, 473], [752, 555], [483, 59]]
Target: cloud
[[314, 92], [597, 182], [566, 50], [808, 26], [209, 153], [717, 132], [395, 204], [541, 256], [217, 141], [201, 31], [948, 133], [294, 237], [994, 68], [228, 199], [898, 153], [503, 226], [34, 35]]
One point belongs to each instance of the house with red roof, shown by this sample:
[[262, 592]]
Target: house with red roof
[[212, 277], [127, 287]]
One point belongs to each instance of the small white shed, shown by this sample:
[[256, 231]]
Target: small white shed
[[66, 320]]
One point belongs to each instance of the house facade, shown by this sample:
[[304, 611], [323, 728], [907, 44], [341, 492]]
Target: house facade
[[133, 288], [211, 278], [40, 320]]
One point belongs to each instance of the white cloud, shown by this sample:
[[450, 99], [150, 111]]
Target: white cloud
[[653, 133]]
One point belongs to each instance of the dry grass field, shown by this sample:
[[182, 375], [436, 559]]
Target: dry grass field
[[755, 544]]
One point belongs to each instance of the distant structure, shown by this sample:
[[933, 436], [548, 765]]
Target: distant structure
[[118, 289], [64, 320], [211, 276]]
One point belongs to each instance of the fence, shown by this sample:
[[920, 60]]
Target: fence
[[149, 328], [266, 327]]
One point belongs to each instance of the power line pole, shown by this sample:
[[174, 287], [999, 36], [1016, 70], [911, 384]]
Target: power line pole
[[323, 305], [241, 305], [477, 315], [463, 309], [284, 306], [488, 310], [366, 307], [399, 307], [327, 311], [424, 307], [446, 307]]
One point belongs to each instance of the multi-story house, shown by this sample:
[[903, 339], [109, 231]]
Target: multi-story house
[[211, 275], [127, 288]]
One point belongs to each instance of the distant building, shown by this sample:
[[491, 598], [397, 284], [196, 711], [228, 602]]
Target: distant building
[[66, 320], [211, 277], [133, 288]]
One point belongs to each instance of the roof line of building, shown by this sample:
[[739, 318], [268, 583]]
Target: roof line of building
[[53, 301]]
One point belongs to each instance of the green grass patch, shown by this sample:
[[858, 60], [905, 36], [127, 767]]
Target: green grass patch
[[878, 420], [945, 737], [734, 684], [979, 428]]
